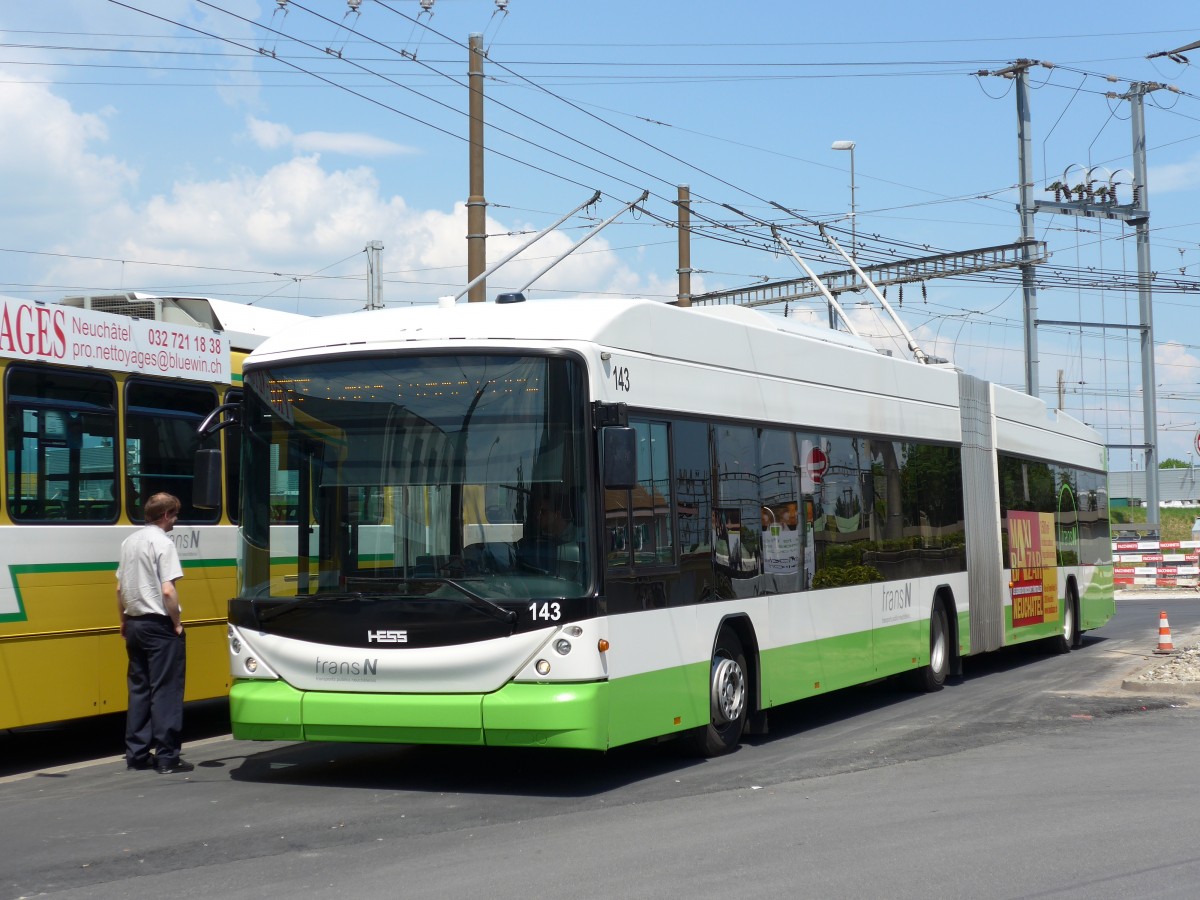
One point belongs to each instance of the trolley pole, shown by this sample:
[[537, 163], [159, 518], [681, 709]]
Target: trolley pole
[[476, 204]]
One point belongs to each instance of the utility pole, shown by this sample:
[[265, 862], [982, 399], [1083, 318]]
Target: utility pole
[[1019, 73], [374, 275], [1025, 175], [476, 204], [1136, 95], [684, 297]]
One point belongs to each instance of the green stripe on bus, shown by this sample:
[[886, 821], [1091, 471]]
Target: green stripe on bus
[[19, 570]]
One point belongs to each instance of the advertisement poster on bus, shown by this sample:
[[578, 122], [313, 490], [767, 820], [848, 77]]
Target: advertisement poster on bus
[[1033, 561], [71, 336]]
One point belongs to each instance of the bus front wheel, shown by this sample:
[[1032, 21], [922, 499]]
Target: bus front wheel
[[728, 692]]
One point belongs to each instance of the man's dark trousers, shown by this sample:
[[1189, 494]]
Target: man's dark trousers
[[157, 659]]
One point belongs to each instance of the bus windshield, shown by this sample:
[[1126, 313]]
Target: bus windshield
[[457, 477]]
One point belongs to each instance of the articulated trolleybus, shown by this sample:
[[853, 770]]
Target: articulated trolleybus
[[102, 396], [591, 522]]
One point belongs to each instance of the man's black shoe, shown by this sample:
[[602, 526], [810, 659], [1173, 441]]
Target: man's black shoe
[[175, 765], [139, 764]]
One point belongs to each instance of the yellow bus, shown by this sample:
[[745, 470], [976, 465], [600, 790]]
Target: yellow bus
[[101, 398]]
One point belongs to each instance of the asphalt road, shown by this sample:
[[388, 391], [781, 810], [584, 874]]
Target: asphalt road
[[1036, 776]]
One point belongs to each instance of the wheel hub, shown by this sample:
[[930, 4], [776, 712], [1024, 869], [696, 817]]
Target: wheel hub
[[728, 691]]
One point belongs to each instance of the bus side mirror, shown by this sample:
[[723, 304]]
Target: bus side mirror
[[206, 488], [620, 457]]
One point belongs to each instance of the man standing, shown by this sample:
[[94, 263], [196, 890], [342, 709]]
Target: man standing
[[152, 627]]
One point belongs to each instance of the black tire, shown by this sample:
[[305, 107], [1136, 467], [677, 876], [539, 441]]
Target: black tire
[[729, 698], [1062, 643], [932, 677]]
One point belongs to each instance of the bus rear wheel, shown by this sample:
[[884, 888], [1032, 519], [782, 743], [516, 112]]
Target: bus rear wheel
[[1062, 643], [932, 677], [728, 693]]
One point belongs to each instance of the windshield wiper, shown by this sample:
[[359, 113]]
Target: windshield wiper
[[306, 600], [477, 601]]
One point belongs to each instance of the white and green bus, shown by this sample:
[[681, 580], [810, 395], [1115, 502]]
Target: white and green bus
[[586, 523]]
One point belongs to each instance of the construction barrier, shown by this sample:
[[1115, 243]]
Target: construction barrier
[[1156, 563]]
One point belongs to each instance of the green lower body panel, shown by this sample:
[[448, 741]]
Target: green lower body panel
[[265, 711], [571, 716], [1098, 603], [518, 715], [817, 667], [393, 718]]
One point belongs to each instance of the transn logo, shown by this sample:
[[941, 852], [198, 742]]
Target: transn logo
[[387, 637]]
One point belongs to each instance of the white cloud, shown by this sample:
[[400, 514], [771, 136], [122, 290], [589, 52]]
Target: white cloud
[[268, 135], [52, 177], [64, 196], [1174, 176], [299, 217], [1176, 369], [273, 135]]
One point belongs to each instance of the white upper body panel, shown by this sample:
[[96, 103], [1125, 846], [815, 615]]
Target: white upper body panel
[[726, 361]]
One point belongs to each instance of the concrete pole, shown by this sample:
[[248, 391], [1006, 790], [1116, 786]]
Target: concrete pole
[[684, 298], [1027, 208], [1137, 120], [476, 204], [853, 208], [375, 284], [847, 145]]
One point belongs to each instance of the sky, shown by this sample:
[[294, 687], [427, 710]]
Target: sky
[[251, 150]]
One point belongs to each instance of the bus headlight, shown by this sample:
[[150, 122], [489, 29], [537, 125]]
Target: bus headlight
[[235, 645], [542, 666], [562, 646], [251, 665], [573, 631]]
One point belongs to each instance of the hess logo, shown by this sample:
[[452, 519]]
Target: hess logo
[[387, 637]]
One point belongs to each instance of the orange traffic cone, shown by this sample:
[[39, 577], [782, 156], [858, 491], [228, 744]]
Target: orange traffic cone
[[1164, 634]]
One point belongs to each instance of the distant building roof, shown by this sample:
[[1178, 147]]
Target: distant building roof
[[1175, 486]]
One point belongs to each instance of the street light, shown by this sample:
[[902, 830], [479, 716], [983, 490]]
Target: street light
[[849, 145]]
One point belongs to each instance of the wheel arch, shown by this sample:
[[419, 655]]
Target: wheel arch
[[741, 626]]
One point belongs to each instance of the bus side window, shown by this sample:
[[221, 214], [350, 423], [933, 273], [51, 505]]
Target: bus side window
[[161, 418], [61, 445], [653, 535]]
